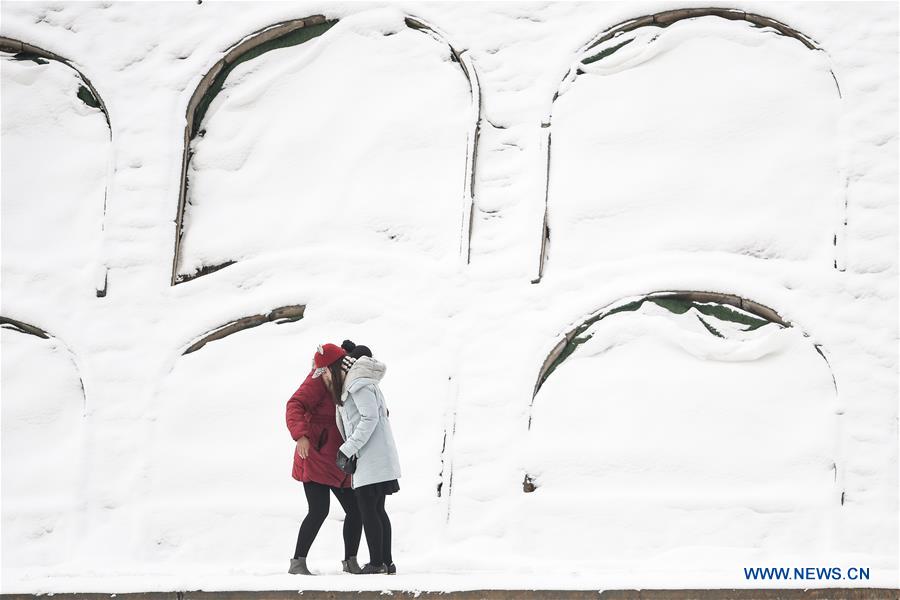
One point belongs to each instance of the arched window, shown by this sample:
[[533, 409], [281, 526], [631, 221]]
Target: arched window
[[43, 447], [56, 153], [702, 405], [217, 438], [701, 130], [314, 138]]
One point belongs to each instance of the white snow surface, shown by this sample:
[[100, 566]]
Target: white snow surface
[[711, 157]]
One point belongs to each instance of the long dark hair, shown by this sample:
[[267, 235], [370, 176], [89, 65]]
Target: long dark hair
[[337, 382]]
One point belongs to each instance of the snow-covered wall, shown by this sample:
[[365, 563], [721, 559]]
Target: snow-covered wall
[[468, 199]]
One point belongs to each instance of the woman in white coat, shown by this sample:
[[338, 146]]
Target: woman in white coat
[[364, 423]]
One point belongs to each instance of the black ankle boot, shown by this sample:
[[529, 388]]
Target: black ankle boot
[[351, 566], [298, 567], [391, 568]]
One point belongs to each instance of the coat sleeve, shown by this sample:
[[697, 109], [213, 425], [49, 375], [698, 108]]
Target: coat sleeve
[[297, 414], [367, 405]]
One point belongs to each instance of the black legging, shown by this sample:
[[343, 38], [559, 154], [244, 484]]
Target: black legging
[[318, 499], [376, 523]]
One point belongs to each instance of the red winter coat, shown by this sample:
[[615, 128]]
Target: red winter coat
[[310, 412]]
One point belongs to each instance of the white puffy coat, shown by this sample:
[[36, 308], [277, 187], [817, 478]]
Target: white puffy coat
[[363, 421]]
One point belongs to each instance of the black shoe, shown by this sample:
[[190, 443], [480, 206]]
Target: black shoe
[[351, 566], [372, 569], [391, 569]]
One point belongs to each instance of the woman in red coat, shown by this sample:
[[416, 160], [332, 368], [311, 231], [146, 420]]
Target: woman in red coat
[[311, 421]]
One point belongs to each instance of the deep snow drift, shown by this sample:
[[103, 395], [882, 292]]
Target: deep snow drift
[[55, 159], [761, 178], [673, 443], [747, 389], [324, 133]]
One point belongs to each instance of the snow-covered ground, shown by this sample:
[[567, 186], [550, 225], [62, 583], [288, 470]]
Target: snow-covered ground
[[672, 448]]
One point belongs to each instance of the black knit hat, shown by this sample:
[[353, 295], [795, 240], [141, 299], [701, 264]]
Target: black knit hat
[[353, 353], [360, 351]]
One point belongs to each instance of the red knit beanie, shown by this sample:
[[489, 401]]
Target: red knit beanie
[[327, 354]]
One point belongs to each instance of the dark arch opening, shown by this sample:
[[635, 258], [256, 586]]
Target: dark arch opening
[[293, 33], [662, 20]]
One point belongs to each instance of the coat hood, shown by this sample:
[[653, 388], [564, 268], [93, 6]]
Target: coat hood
[[364, 371]]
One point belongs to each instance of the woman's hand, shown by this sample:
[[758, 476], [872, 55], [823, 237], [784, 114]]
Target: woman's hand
[[303, 446]]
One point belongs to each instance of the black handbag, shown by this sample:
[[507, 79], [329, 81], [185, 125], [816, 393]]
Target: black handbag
[[345, 464]]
